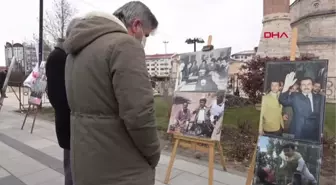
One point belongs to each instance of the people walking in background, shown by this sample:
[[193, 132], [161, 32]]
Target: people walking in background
[[114, 134], [271, 121], [57, 96]]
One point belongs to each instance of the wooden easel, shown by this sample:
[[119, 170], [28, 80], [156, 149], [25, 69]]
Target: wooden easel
[[200, 144], [194, 143], [250, 174], [31, 109]]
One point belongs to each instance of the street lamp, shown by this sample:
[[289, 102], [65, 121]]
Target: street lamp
[[194, 41]]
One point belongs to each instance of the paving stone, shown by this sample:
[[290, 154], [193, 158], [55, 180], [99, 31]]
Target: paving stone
[[158, 183], [189, 167], [227, 178], [40, 177], [192, 179], [160, 173], [164, 159], [8, 152], [57, 181], [22, 165], [20, 135], [40, 143], [3, 173], [54, 151], [11, 180]]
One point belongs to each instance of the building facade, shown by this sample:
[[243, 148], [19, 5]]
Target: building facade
[[316, 23], [159, 65], [244, 56]]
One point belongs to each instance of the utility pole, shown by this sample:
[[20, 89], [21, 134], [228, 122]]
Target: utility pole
[[40, 46], [165, 43]]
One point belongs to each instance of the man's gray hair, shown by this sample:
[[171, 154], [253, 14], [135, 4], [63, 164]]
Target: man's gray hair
[[136, 9], [71, 25]]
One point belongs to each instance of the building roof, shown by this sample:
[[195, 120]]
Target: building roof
[[159, 56], [246, 52]]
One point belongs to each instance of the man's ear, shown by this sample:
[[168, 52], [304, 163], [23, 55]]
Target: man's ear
[[135, 25]]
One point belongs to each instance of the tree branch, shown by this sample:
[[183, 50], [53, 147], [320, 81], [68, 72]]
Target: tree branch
[[57, 20]]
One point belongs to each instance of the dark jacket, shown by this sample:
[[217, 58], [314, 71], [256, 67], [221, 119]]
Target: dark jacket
[[114, 139], [57, 96], [305, 124]]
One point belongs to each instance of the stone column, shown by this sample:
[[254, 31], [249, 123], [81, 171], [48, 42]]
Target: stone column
[[276, 20]]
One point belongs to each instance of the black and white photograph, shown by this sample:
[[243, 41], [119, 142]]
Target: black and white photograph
[[293, 104], [197, 114], [204, 71], [283, 162]]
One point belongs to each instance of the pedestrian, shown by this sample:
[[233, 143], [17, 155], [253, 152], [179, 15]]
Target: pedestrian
[[113, 129], [3, 75], [57, 96]]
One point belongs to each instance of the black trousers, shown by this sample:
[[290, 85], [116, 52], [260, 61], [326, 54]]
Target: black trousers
[[67, 167]]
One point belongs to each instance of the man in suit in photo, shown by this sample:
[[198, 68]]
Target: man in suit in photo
[[271, 121], [307, 108]]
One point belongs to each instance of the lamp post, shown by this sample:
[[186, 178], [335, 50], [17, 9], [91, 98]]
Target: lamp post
[[165, 43], [40, 44], [194, 41]]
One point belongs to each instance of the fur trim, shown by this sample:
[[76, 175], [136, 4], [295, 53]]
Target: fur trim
[[105, 15]]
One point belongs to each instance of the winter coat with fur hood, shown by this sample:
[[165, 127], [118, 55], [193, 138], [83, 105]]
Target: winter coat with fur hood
[[113, 131]]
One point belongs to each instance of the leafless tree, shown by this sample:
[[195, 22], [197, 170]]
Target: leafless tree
[[57, 20]]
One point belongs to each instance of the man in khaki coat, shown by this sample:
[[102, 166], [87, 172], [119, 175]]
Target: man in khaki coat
[[114, 139]]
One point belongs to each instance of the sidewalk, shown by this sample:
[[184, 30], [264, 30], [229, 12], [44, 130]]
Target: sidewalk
[[36, 159]]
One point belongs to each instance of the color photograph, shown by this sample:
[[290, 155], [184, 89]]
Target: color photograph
[[282, 162], [204, 71], [293, 104], [197, 114], [38, 86]]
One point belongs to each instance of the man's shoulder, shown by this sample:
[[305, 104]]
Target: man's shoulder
[[122, 41], [56, 55], [318, 96]]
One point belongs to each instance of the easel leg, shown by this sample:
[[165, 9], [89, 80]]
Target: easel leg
[[250, 174], [171, 161], [222, 158], [35, 114], [24, 121], [211, 163], [21, 106]]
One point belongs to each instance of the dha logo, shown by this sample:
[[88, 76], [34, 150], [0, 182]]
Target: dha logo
[[278, 35]]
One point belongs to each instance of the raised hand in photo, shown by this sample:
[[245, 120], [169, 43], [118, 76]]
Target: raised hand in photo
[[289, 81]]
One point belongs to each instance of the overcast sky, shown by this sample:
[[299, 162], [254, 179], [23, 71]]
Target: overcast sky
[[232, 23]]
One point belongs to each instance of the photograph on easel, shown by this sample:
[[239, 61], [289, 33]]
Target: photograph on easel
[[294, 100], [38, 81], [197, 114], [204, 71], [283, 162]]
